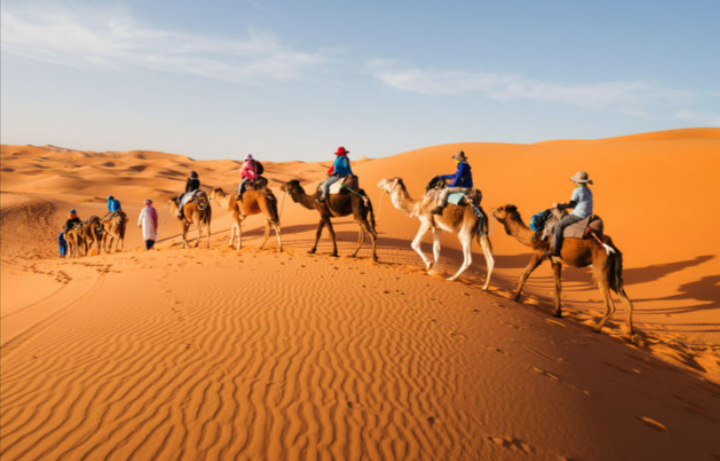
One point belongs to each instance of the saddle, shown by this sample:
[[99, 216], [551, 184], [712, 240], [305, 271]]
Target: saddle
[[474, 197], [578, 230], [186, 198], [336, 188]]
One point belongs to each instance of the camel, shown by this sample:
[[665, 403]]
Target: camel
[[196, 211], [458, 219], [606, 266], [91, 232], [337, 205], [253, 202], [114, 227], [74, 241]]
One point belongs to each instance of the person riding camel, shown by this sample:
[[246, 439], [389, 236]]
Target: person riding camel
[[72, 221], [113, 204], [581, 201], [339, 170], [462, 181], [191, 185], [248, 173]]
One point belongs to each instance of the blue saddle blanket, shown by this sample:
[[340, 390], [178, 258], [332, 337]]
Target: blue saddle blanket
[[456, 197]]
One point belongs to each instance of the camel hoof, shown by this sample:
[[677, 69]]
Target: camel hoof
[[516, 298], [450, 279], [352, 256], [597, 330], [334, 255], [558, 314], [311, 252]]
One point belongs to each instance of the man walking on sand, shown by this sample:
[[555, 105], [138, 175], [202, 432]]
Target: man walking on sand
[[148, 220]]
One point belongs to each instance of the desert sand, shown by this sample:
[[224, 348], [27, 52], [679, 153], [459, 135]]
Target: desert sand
[[217, 354]]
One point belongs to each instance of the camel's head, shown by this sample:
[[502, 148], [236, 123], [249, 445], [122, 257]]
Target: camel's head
[[293, 188], [217, 192], [504, 213], [389, 185]]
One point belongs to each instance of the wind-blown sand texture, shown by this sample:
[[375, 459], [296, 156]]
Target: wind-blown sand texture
[[217, 354]]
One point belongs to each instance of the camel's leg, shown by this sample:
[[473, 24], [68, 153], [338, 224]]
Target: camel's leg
[[239, 227], [186, 226], [198, 225], [267, 234], [604, 287], [557, 273], [321, 225], [208, 233], [489, 260], [436, 248], [628, 307], [279, 238], [334, 239], [535, 261], [232, 233], [424, 226], [466, 240], [373, 238], [361, 238]]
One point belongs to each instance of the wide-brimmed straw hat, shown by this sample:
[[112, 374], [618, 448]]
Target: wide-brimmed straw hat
[[459, 155], [581, 177]]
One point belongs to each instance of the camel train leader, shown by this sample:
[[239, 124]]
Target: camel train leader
[[148, 220], [581, 201], [339, 170], [191, 185], [462, 181]]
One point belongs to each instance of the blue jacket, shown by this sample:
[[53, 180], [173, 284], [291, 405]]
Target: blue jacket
[[113, 205], [462, 177], [341, 166]]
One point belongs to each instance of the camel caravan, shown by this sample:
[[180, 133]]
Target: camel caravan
[[450, 203]]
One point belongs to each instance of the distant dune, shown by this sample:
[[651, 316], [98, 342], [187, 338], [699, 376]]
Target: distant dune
[[217, 354]]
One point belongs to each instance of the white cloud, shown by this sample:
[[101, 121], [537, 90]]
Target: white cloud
[[112, 37], [698, 117], [628, 97]]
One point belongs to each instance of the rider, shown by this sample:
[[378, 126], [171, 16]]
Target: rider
[[581, 201], [339, 170], [113, 204], [191, 185], [462, 181], [73, 219], [248, 173]]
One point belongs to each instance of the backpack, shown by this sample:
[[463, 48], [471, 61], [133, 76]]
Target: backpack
[[537, 221], [259, 169]]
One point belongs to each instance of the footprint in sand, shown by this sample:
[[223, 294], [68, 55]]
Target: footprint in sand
[[652, 424], [513, 444]]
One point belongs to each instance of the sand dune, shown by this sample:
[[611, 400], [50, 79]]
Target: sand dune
[[215, 354]]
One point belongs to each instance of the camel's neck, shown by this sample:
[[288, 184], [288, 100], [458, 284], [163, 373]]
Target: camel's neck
[[307, 201], [403, 202], [520, 231]]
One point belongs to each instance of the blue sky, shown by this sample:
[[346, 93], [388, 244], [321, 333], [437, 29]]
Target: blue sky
[[289, 80]]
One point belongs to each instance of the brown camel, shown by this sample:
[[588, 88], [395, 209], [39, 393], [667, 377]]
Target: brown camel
[[114, 227], [196, 211], [75, 241], [253, 202], [460, 220], [91, 232], [607, 268], [337, 205]]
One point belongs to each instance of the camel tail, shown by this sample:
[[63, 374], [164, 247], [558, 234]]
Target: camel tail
[[615, 275], [483, 232], [372, 214], [273, 208]]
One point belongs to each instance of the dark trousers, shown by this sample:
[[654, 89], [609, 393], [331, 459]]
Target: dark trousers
[[149, 244], [557, 240]]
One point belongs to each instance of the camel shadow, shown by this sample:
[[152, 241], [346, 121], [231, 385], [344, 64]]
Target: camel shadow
[[705, 291], [635, 275]]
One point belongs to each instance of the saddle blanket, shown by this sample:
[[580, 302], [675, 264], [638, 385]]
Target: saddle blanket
[[189, 196], [336, 188], [456, 198]]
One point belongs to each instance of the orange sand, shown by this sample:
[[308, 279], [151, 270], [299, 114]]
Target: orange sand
[[214, 354]]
